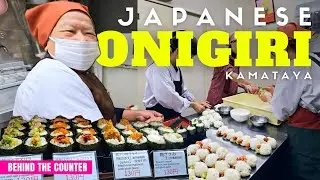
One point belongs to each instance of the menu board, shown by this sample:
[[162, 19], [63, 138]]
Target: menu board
[[169, 163], [89, 155], [36, 157], [131, 164]]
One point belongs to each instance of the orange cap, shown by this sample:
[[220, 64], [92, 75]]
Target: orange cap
[[290, 28], [43, 18]]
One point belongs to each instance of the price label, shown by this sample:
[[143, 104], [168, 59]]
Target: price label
[[169, 163], [131, 164], [36, 157], [85, 156]]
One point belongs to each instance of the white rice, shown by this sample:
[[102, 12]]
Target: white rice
[[79, 140], [61, 144], [218, 124], [156, 139], [221, 166], [53, 127], [116, 141], [211, 160], [200, 169], [191, 172], [213, 147], [80, 131], [191, 128], [230, 133], [222, 130], [265, 149], [84, 126], [200, 125], [126, 132], [173, 137], [243, 168], [166, 130], [253, 143], [140, 124], [232, 174], [235, 136], [231, 158], [251, 160], [212, 174], [202, 153], [156, 124], [42, 142], [181, 131], [192, 149], [150, 131], [245, 140], [133, 141], [222, 152], [272, 142], [192, 161], [120, 126], [42, 133]]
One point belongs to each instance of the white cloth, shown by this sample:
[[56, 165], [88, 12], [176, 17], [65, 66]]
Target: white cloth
[[52, 89], [290, 94], [160, 89]]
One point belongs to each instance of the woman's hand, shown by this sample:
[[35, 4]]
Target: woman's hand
[[146, 115], [3, 6], [206, 104], [251, 88], [198, 107]]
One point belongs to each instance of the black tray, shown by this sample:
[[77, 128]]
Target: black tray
[[104, 156]]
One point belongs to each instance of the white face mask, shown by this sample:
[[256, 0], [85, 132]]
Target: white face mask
[[78, 55]]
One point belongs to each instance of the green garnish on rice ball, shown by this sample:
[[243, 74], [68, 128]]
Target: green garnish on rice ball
[[10, 145], [41, 131], [13, 132], [148, 131]]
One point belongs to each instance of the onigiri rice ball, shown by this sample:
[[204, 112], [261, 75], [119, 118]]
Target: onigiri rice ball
[[223, 178], [218, 124], [192, 161], [221, 166], [235, 136], [231, 158], [264, 149], [251, 160], [222, 130], [272, 142], [254, 143], [232, 174], [202, 153], [212, 174], [192, 149], [260, 138], [200, 169], [222, 152], [191, 172], [213, 147], [243, 168], [211, 160]]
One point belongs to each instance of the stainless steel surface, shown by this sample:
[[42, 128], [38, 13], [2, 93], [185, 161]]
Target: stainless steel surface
[[268, 130], [225, 110], [259, 121]]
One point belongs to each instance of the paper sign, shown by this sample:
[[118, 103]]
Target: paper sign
[[169, 163], [37, 157], [131, 164], [89, 155]]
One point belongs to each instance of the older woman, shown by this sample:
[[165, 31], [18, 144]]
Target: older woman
[[61, 84]]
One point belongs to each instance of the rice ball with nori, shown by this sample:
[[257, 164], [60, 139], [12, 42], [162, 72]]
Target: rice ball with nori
[[164, 129], [149, 131], [156, 124], [156, 142], [88, 142], [41, 131], [140, 125], [62, 143], [173, 140], [36, 144], [114, 140], [13, 132], [102, 124], [122, 124], [10, 145], [136, 141], [192, 130]]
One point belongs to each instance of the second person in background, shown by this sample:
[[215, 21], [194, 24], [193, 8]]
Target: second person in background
[[165, 90], [222, 87]]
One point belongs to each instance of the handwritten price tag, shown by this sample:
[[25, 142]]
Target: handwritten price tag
[[25, 176], [169, 163], [89, 155], [131, 164]]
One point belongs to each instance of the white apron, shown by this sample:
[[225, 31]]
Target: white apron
[[52, 89]]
